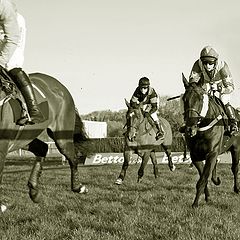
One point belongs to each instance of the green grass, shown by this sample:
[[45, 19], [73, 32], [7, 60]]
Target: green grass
[[154, 209]]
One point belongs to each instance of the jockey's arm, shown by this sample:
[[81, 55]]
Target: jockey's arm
[[227, 80], [134, 101], [11, 31], [154, 108]]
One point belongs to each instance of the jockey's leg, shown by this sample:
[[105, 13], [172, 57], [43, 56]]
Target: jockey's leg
[[23, 82], [230, 113], [232, 117], [160, 130]]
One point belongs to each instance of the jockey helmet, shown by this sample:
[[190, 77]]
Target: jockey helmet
[[144, 82], [209, 54]]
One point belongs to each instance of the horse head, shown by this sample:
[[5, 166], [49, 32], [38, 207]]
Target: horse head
[[134, 117], [195, 101]]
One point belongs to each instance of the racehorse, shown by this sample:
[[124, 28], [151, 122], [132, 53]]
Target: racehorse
[[206, 138], [140, 139], [62, 122]]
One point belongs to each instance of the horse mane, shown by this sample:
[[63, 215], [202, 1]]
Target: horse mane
[[196, 87]]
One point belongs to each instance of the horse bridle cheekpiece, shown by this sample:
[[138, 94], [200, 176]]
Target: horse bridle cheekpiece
[[204, 109], [192, 130]]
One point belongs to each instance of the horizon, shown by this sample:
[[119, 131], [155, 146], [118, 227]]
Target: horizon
[[99, 50]]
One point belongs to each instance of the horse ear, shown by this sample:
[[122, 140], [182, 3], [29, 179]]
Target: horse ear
[[185, 81], [127, 103]]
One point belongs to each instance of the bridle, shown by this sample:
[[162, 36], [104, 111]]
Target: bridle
[[192, 130], [203, 112], [133, 127]]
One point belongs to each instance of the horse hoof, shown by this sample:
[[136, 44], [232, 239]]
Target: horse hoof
[[194, 206], [208, 199], [139, 180], [34, 195], [236, 190], [216, 181], [3, 208], [173, 168], [119, 181], [83, 189]]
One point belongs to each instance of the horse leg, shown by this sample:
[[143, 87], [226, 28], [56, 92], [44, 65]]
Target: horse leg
[[169, 155], [216, 180], [235, 161], [126, 155], [3, 154], [39, 149], [199, 165], [154, 162], [67, 148], [202, 182], [145, 159]]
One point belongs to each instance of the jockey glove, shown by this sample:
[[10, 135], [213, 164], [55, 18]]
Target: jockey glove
[[146, 115]]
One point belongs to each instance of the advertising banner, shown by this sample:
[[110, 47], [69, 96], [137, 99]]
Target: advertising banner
[[117, 158]]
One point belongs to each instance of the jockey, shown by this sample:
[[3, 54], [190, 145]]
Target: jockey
[[215, 77], [12, 45], [148, 97]]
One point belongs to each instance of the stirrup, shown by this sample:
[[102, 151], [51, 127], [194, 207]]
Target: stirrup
[[36, 119], [22, 121], [36, 116]]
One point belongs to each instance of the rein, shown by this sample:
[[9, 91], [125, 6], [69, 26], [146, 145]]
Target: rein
[[203, 114]]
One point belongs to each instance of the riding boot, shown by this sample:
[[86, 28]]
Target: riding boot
[[233, 121], [23, 82], [160, 131]]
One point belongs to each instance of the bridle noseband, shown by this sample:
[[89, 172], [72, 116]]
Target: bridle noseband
[[201, 113]]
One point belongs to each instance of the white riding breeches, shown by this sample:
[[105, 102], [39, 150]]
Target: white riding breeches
[[154, 116], [17, 59], [146, 108], [225, 98]]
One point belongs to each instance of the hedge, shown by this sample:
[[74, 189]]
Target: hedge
[[116, 145]]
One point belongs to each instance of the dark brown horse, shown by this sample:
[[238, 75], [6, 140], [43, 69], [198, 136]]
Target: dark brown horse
[[62, 122], [140, 139], [205, 137]]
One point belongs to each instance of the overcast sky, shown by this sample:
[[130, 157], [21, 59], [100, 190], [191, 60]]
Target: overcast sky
[[100, 48]]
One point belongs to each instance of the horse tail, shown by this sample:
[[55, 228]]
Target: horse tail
[[82, 142], [80, 133]]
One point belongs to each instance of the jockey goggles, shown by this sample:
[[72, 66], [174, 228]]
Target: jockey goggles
[[208, 60]]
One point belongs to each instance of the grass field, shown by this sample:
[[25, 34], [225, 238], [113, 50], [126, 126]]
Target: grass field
[[154, 209]]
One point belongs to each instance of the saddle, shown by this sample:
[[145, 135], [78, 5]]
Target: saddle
[[16, 99], [223, 111]]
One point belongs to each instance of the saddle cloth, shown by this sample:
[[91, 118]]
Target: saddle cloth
[[17, 101]]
